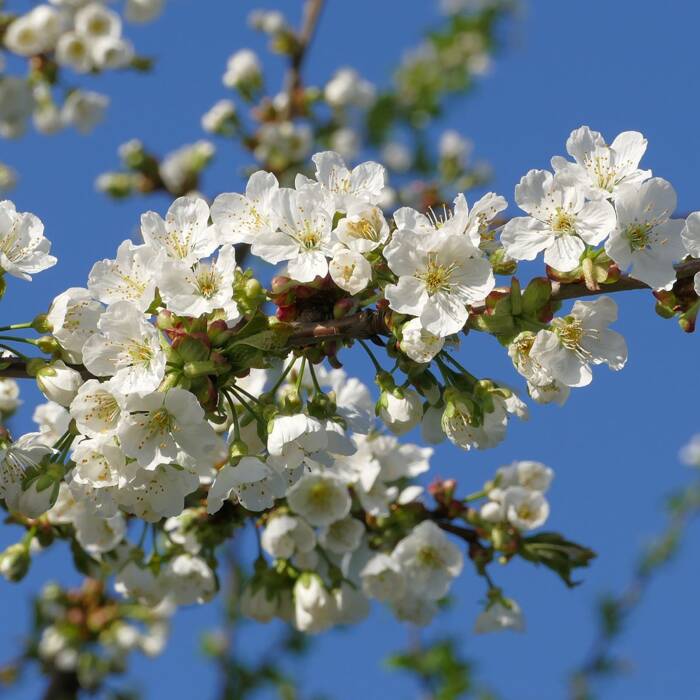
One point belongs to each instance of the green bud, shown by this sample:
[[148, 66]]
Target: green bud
[[199, 368], [236, 450], [36, 365], [14, 562], [41, 324], [48, 344], [501, 263]]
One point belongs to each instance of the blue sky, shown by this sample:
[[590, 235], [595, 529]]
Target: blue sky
[[614, 66]]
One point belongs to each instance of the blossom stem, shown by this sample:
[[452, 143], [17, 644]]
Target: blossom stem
[[241, 390], [234, 416], [282, 377], [314, 378], [372, 357], [462, 369], [24, 359], [245, 404], [14, 339], [300, 376], [16, 326]]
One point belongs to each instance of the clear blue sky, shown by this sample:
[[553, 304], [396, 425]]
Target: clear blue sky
[[613, 65]]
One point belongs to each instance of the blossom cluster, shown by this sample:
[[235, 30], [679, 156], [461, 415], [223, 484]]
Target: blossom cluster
[[177, 398], [84, 36]]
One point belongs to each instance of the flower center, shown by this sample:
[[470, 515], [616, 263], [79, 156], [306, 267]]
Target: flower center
[[571, 333], [524, 512], [309, 237], [207, 281], [604, 174], [160, 421], [429, 557], [563, 222], [363, 229], [320, 496], [139, 353], [638, 236], [436, 276]]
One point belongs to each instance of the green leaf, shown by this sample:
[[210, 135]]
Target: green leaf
[[556, 553]]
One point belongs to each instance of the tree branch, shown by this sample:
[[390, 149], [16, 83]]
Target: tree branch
[[368, 324], [312, 14]]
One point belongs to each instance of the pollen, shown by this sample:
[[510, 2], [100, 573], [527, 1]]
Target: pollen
[[563, 222]]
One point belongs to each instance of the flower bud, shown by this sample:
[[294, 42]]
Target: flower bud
[[48, 344], [58, 382], [14, 562], [41, 324]]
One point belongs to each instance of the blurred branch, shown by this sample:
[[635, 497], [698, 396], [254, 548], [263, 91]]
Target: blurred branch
[[312, 14], [614, 611]]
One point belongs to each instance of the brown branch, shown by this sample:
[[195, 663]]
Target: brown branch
[[368, 324], [312, 14]]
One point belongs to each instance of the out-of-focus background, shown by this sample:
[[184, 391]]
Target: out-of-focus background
[[614, 66]]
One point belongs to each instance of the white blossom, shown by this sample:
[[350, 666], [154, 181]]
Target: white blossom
[[142, 11], [580, 339], [438, 276], [126, 348], [646, 239], [363, 228], [242, 218], [284, 535], [202, 288], [429, 560], [401, 413], [561, 222], [240, 481], [159, 426], [314, 606], [383, 579], [9, 396], [351, 271], [188, 579], [364, 183], [130, 277], [58, 382], [420, 345], [524, 508], [53, 421], [73, 317], [320, 499], [304, 238], [184, 234], [461, 220], [526, 473], [342, 536], [84, 110], [600, 169], [346, 88], [499, 616], [23, 249], [242, 67]]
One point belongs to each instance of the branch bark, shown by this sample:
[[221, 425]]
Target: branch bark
[[312, 14], [368, 324]]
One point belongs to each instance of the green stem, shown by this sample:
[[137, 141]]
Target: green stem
[[314, 379], [462, 369], [234, 416], [300, 377], [282, 377], [14, 339], [372, 357], [15, 352], [245, 404], [475, 496], [241, 390], [16, 326]]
